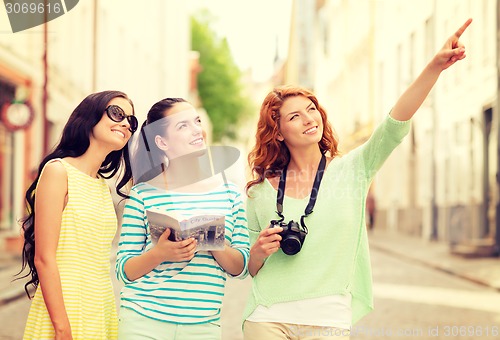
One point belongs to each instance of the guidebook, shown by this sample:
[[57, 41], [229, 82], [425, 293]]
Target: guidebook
[[208, 230]]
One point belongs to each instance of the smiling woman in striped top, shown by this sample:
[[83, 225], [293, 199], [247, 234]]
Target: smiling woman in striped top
[[171, 290]]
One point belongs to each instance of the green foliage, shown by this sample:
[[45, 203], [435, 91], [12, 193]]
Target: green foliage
[[219, 84]]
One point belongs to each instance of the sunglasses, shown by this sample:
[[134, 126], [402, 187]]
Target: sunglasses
[[116, 114]]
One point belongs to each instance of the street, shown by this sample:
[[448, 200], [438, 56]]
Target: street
[[416, 302], [412, 301]]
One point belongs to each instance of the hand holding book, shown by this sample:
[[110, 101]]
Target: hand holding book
[[207, 230], [174, 251]]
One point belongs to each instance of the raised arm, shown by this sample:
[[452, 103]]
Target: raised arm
[[409, 102]]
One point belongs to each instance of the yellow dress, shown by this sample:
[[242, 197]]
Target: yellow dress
[[83, 256]]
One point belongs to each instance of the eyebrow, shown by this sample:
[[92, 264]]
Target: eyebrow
[[186, 120], [308, 106]]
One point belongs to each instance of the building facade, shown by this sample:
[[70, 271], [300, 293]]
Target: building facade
[[140, 49]]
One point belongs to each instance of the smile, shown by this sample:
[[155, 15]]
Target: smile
[[118, 132], [311, 130], [197, 141]]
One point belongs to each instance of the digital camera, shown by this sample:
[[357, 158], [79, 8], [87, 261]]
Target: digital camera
[[292, 236]]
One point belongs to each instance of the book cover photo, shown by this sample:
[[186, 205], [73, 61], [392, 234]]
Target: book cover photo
[[208, 230]]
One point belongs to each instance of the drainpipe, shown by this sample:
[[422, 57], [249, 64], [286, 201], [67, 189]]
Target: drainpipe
[[434, 208], [45, 90], [94, 47], [497, 212]]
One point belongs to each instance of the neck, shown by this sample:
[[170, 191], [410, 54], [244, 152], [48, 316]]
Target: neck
[[183, 171], [89, 163], [304, 162]]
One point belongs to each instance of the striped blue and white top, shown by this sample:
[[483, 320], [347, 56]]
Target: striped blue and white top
[[188, 292]]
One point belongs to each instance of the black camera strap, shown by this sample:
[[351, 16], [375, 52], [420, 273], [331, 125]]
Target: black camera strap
[[314, 192]]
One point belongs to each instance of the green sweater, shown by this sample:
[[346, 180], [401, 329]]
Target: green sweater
[[335, 257]]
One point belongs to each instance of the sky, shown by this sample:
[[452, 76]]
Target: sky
[[253, 29]]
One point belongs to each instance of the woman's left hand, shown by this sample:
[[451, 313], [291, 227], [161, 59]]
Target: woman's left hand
[[453, 49]]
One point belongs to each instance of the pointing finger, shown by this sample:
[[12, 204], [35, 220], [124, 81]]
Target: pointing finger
[[462, 29]]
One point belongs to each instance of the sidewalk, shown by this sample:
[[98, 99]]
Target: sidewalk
[[484, 271], [10, 265]]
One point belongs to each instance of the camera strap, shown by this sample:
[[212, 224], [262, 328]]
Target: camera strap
[[314, 192]]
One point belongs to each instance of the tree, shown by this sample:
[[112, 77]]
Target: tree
[[219, 84]]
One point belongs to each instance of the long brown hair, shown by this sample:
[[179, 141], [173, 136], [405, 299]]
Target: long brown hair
[[269, 156]]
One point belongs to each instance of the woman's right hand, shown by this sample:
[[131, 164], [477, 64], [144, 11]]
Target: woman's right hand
[[175, 251], [267, 243]]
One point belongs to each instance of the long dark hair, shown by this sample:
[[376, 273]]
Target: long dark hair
[[74, 142], [148, 159]]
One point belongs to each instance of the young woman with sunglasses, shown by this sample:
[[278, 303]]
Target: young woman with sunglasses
[[71, 222], [318, 285]]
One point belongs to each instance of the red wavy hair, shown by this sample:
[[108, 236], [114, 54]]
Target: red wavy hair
[[269, 156]]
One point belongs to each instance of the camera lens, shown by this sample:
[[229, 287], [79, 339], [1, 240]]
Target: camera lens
[[291, 245]]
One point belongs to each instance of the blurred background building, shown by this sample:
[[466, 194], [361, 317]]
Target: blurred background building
[[51, 68]]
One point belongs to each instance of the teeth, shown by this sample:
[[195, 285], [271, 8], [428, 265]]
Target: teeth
[[119, 133], [311, 130], [197, 141]]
